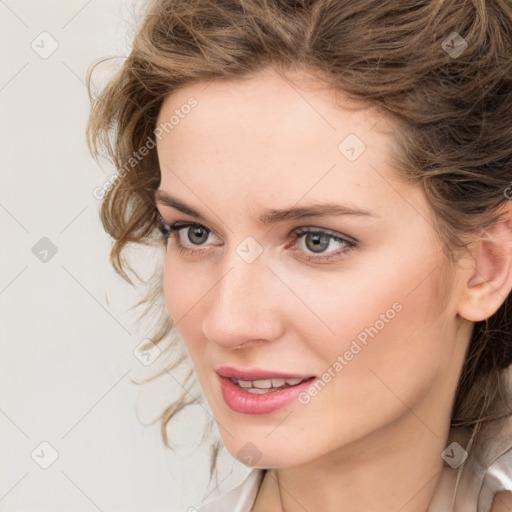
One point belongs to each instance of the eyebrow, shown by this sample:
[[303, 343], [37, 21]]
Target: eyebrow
[[272, 216]]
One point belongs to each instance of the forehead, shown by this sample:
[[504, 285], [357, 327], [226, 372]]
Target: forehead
[[270, 99], [272, 139]]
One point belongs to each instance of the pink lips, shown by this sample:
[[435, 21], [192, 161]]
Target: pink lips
[[240, 400]]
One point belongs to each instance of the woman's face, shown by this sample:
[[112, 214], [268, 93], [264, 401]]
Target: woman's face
[[313, 296]]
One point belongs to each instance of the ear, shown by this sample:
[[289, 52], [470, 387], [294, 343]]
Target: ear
[[487, 278]]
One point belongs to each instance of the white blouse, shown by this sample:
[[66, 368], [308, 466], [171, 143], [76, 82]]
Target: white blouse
[[239, 499]]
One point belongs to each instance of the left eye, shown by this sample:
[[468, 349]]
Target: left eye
[[318, 241]]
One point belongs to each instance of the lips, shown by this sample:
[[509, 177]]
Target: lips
[[260, 391]]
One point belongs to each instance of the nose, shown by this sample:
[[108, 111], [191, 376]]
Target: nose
[[243, 306]]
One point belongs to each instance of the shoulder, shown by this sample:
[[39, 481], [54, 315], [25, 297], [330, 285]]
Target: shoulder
[[492, 473], [498, 480], [239, 499], [485, 478]]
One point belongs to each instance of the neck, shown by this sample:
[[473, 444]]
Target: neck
[[379, 472]]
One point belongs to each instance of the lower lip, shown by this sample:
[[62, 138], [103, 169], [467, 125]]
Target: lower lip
[[251, 403]]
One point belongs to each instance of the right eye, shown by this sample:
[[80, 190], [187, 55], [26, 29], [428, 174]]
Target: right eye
[[196, 235]]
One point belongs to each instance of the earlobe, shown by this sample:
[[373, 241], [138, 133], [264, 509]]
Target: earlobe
[[488, 280]]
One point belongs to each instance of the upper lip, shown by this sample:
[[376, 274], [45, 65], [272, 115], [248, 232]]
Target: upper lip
[[256, 374]]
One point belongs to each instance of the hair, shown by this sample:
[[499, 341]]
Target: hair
[[451, 117]]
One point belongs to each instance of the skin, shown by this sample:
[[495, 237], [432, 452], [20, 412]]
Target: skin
[[372, 438]]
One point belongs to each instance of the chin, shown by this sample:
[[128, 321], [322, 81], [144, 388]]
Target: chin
[[260, 453]]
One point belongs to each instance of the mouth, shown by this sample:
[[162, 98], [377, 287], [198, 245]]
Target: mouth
[[264, 386], [260, 391]]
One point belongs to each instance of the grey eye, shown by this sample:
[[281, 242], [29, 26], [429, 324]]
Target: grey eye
[[197, 235], [317, 242]]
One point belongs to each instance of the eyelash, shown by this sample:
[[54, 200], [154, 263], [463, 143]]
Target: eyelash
[[167, 231]]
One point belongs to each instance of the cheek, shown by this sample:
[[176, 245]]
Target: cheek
[[391, 323], [172, 290], [377, 370], [381, 308], [395, 343], [181, 292]]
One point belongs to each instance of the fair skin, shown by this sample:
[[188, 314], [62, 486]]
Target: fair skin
[[372, 438]]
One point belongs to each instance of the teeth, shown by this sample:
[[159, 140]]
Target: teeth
[[262, 386]]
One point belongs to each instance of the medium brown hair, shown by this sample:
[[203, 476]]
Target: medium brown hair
[[451, 111]]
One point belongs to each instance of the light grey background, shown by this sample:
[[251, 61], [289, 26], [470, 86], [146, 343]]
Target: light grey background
[[67, 334]]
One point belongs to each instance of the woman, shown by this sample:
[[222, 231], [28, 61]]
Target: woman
[[331, 180]]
